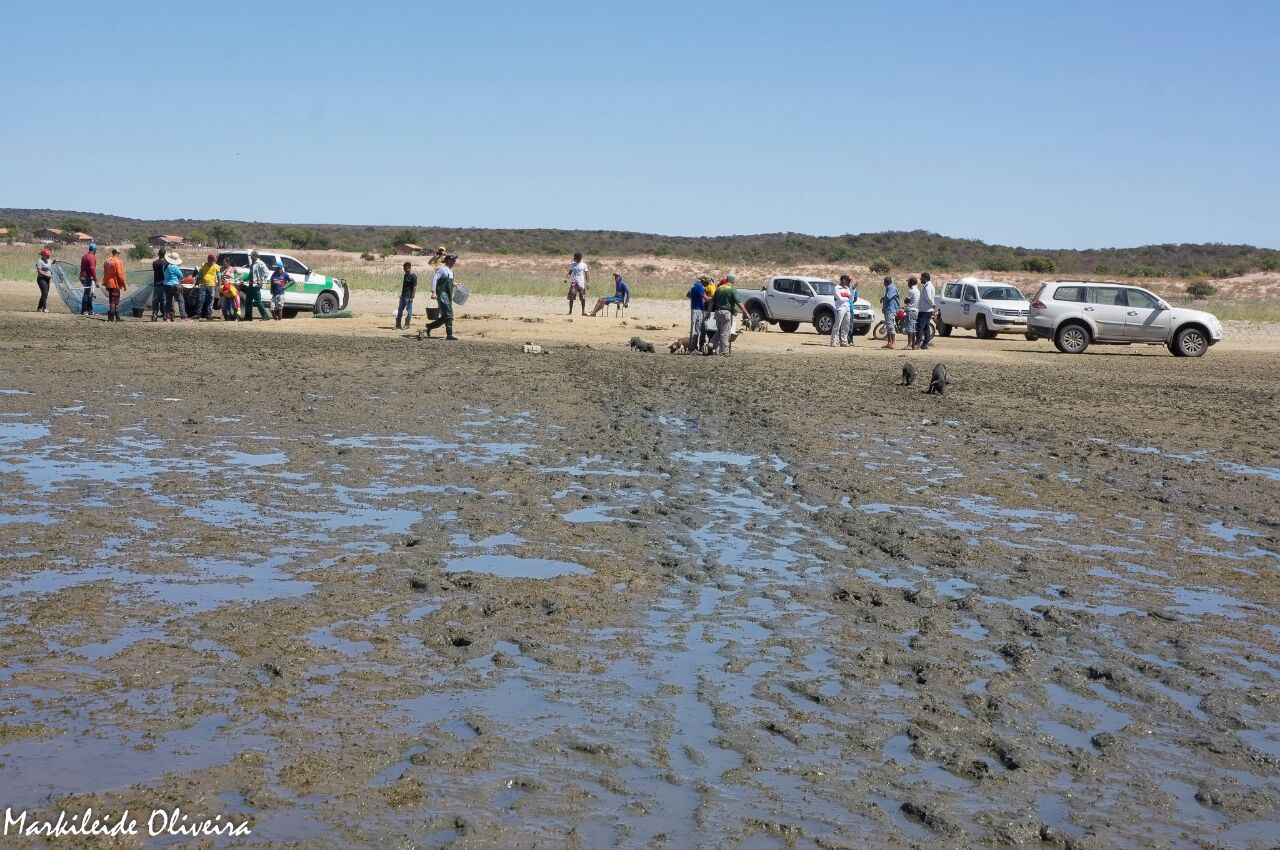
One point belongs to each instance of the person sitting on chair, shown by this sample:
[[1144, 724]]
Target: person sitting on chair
[[621, 295]]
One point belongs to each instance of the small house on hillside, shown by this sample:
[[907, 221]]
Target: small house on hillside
[[409, 248], [164, 241], [48, 234], [83, 237]]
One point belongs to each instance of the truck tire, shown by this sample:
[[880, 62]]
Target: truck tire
[[1072, 338], [823, 322], [943, 328], [290, 312], [327, 303], [789, 327], [1190, 342], [756, 312], [980, 328]]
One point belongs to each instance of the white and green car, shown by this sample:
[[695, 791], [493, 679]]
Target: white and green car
[[313, 292]]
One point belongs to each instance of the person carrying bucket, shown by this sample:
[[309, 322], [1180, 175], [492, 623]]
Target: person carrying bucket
[[442, 294]]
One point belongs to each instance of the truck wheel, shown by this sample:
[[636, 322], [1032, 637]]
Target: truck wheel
[[980, 328], [290, 312], [881, 331], [789, 327], [1190, 342], [1072, 338], [327, 303], [756, 312], [823, 323], [943, 328]]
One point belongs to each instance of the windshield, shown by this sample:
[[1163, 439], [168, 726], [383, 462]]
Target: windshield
[[1001, 293], [823, 287]]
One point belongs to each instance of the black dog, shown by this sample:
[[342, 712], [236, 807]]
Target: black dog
[[908, 375], [938, 382], [637, 344]]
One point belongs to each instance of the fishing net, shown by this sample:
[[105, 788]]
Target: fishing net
[[66, 280]]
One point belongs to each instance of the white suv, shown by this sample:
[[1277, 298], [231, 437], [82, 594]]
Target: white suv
[[311, 291], [987, 307], [1075, 313]]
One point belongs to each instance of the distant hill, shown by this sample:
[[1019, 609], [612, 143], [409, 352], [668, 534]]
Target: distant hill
[[914, 250]]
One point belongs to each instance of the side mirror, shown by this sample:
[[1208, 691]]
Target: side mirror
[[1161, 305]]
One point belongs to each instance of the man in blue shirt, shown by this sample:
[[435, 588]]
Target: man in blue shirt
[[697, 296], [890, 303], [621, 295]]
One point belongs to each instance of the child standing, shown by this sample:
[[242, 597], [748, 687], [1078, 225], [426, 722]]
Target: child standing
[[407, 290], [279, 283], [228, 292]]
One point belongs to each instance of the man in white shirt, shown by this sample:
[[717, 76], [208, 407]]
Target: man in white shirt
[[578, 280], [924, 318]]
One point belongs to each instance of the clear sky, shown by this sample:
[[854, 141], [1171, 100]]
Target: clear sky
[[1043, 124]]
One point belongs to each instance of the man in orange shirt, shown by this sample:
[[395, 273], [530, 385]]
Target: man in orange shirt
[[113, 282]]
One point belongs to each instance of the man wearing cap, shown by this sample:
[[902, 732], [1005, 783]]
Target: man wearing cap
[[88, 278], [408, 288], [726, 303], [251, 292], [113, 282], [442, 294], [44, 276], [843, 305], [280, 281], [207, 280]]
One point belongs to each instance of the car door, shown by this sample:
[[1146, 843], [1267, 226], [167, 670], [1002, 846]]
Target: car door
[[805, 302], [783, 298], [1106, 306], [1145, 320], [968, 306], [949, 303]]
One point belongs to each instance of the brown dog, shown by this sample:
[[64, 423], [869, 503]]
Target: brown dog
[[681, 346]]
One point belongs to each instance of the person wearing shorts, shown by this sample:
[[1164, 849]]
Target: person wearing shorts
[[912, 296], [579, 279], [889, 306], [280, 281]]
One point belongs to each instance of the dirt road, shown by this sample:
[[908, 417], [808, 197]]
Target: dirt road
[[360, 590]]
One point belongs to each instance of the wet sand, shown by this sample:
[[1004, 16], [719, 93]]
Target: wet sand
[[390, 593]]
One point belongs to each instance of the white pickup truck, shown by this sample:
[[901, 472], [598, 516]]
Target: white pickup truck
[[987, 307], [792, 301]]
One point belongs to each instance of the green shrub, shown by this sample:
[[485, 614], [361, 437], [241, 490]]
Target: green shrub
[[1102, 268], [140, 250], [1201, 290], [879, 266], [1039, 265], [1000, 264], [1269, 264]]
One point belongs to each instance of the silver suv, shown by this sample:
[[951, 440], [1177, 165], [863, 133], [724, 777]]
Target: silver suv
[[1075, 313]]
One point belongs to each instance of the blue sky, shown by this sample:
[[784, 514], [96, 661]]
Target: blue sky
[[1082, 124]]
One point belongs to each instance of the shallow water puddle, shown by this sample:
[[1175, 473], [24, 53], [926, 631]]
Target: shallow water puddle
[[511, 566]]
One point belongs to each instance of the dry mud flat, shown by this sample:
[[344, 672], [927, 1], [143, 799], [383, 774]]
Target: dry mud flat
[[450, 595]]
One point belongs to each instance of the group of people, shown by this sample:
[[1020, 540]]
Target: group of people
[[916, 308], [216, 284], [441, 265], [719, 301], [579, 279]]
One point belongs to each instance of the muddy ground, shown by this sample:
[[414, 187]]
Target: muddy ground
[[384, 593]]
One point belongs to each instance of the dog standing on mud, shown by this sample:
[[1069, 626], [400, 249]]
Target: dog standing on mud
[[681, 346], [637, 344], [938, 381]]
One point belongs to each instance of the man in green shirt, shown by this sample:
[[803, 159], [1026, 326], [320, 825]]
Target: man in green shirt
[[725, 302]]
